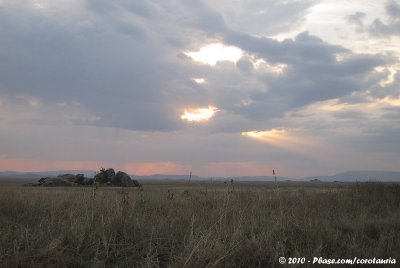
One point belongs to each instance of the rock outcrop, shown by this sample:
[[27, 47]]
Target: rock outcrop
[[106, 177], [123, 179], [65, 180], [55, 181]]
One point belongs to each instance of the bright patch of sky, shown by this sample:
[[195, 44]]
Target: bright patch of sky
[[199, 114], [213, 53], [199, 80]]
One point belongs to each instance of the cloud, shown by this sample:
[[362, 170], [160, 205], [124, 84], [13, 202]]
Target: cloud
[[393, 9], [261, 18], [313, 73], [121, 77], [79, 80], [379, 28], [358, 20], [384, 25], [122, 65], [392, 26]]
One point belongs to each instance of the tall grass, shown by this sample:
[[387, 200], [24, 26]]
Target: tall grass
[[181, 225]]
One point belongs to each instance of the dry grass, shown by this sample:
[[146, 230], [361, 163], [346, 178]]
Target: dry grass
[[196, 225]]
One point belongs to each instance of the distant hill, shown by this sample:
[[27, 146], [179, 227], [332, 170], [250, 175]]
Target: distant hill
[[198, 178], [165, 177], [363, 175], [260, 178], [87, 173], [90, 173], [41, 174]]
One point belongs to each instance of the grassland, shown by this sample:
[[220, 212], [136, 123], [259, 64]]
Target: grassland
[[196, 225]]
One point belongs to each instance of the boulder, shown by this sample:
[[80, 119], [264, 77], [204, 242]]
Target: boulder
[[88, 181], [136, 183], [67, 177], [49, 181], [78, 178], [105, 176], [42, 180], [110, 175], [124, 179]]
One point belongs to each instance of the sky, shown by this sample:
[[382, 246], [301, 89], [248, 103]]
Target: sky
[[217, 88]]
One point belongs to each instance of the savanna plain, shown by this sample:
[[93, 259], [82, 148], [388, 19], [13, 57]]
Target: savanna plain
[[196, 224]]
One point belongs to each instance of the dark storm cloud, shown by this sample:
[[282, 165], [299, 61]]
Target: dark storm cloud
[[120, 60], [304, 47], [112, 68], [313, 74]]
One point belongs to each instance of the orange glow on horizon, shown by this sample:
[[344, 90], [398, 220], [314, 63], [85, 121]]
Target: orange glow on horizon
[[141, 168], [150, 168], [205, 170]]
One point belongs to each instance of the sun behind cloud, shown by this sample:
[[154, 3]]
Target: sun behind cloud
[[200, 80], [267, 135], [212, 53], [199, 114], [298, 142]]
